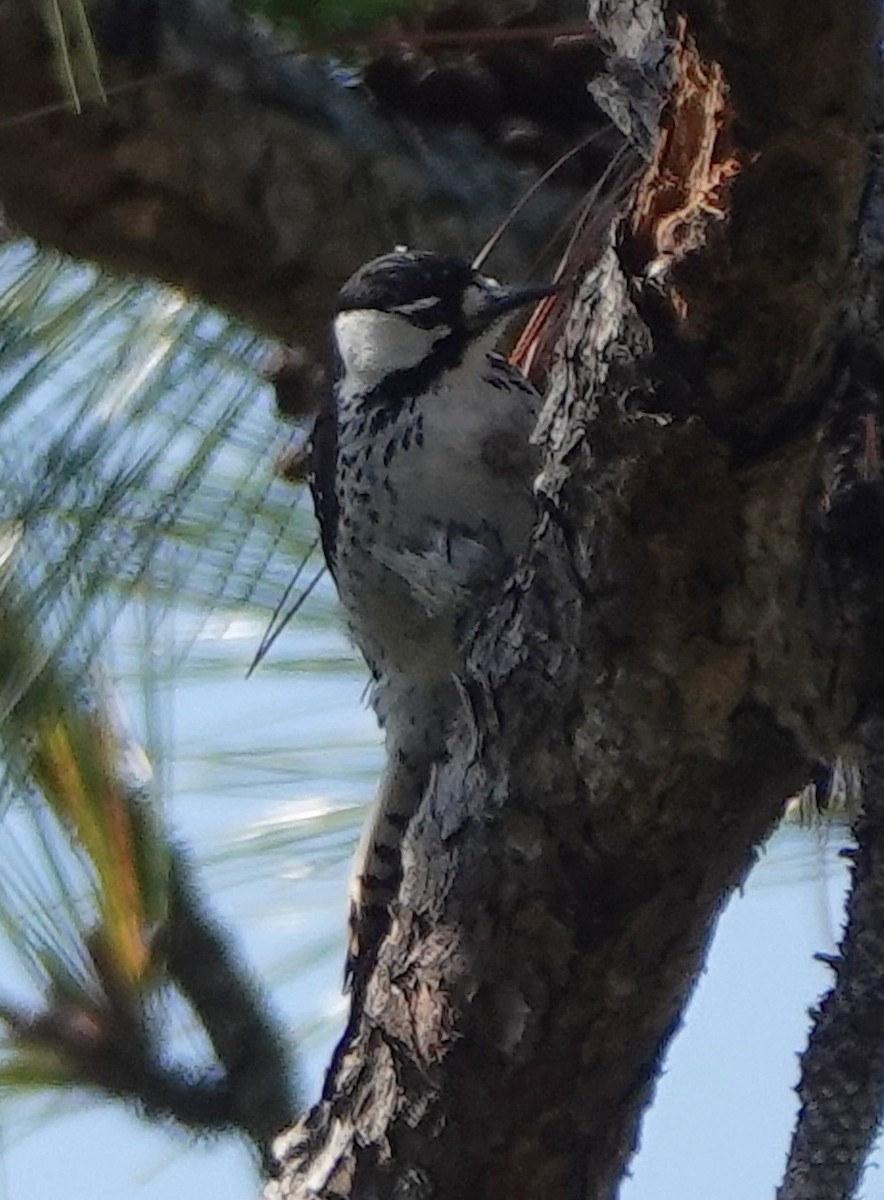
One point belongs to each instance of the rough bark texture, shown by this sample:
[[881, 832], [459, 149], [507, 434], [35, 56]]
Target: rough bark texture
[[674, 652], [655, 679], [843, 1068]]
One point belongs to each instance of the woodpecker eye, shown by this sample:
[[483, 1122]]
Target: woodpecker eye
[[476, 296]]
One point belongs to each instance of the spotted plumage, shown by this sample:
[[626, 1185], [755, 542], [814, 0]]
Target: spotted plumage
[[422, 482]]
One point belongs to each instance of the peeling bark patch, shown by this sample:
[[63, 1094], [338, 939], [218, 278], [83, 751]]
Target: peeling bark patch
[[685, 184], [409, 996]]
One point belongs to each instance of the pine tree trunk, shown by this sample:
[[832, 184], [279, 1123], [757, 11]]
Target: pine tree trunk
[[676, 650]]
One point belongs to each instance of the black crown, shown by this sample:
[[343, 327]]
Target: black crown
[[406, 277]]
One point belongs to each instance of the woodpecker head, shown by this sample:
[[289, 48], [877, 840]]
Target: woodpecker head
[[405, 318]]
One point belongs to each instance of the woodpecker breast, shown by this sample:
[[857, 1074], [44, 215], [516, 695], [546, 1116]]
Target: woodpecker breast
[[422, 465], [422, 480]]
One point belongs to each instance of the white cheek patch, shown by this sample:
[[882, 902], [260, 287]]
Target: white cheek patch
[[372, 344]]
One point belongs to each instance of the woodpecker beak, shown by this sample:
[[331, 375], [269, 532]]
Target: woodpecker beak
[[500, 302]]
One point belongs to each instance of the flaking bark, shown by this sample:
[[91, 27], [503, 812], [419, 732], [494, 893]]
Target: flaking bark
[[674, 652], [654, 680]]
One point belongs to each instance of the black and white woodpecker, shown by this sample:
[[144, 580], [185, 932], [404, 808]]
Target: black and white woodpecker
[[422, 472]]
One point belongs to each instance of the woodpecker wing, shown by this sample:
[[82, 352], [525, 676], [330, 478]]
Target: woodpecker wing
[[323, 467]]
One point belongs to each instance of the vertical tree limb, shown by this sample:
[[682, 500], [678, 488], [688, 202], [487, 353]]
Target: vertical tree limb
[[842, 1070], [654, 681]]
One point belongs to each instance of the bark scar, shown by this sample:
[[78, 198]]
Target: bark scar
[[686, 183]]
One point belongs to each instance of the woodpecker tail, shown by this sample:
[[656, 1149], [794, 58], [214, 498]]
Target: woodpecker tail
[[377, 866]]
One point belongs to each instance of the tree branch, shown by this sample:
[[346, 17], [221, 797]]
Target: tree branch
[[842, 1069], [654, 681], [665, 666], [843, 1066], [257, 1085], [236, 169]]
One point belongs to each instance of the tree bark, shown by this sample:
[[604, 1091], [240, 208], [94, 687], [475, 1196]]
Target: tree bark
[[842, 1069], [655, 680], [674, 652], [843, 1066], [226, 164]]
